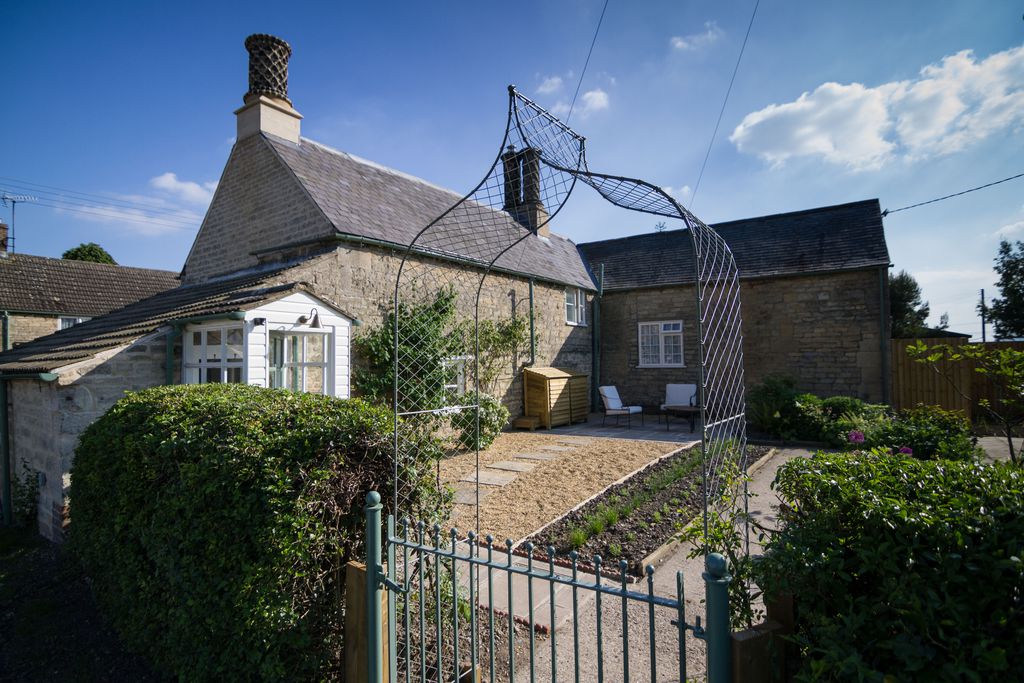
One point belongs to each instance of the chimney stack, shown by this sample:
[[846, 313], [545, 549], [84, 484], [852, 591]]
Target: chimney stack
[[3, 240], [267, 108], [522, 189]]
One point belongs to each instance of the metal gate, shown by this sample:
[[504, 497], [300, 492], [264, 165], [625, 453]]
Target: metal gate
[[454, 605]]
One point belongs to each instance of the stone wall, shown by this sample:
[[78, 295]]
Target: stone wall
[[48, 417], [256, 203], [823, 330], [361, 281], [25, 328]]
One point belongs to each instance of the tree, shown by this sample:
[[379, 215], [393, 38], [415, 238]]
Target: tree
[[1007, 312], [906, 311], [1004, 367], [943, 322], [89, 251]]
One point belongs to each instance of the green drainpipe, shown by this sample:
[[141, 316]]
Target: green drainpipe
[[595, 337], [6, 471]]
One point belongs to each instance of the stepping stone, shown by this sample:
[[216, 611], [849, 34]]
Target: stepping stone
[[577, 440], [468, 496], [512, 466], [536, 456], [492, 477], [557, 448]]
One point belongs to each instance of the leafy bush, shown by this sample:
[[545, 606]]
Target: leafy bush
[[771, 405], [493, 418], [902, 569], [929, 432], [215, 522]]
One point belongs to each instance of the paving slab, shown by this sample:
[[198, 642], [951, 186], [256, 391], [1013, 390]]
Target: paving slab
[[579, 440], [560, 449], [468, 496], [536, 456], [491, 477], [512, 466]]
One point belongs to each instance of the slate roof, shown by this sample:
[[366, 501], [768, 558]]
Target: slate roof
[[827, 239], [366, 199], [136, 320], [36, 284]]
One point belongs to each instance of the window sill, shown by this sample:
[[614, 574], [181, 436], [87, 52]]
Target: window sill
[[569, 324], [643, 367]]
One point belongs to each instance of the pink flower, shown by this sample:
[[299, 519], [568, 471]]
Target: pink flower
[[856, 437], [906, 450]]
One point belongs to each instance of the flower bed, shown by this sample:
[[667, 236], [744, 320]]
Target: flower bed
[[633, 519]]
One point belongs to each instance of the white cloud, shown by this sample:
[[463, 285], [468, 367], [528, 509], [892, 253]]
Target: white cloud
[[950, 106], [186, 190], [549, 85], [678, 192], [696, 41], [591, 101], [143, 221], [1010, 230]]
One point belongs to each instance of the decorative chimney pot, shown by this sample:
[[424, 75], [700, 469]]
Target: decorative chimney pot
[[268, 66], [267, 109]]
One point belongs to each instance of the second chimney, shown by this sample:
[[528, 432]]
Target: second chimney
[[3, 240], [267, 108], [522, 189]]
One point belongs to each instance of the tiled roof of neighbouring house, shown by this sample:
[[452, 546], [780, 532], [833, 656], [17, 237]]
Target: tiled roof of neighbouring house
[[365, 199], [830, 238], [85, 340], [36, 284]]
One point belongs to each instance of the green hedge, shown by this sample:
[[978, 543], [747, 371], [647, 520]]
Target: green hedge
[[902, 569], [215, 522]]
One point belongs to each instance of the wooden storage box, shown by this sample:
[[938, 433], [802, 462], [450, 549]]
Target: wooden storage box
[[556, 397]]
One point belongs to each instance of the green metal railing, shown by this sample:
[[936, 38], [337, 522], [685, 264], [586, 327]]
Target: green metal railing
[[441, 612]]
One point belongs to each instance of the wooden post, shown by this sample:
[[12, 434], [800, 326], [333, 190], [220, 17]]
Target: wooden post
[[356, 638]]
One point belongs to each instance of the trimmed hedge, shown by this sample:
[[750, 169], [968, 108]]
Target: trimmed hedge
[[215, 522], [902, 569]]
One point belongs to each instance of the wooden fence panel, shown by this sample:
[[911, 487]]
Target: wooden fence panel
[[982, 387], [914, 382]]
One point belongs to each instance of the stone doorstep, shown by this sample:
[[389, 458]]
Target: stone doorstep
[[536, 456], [491, 477], [513, 466], [468, 496]]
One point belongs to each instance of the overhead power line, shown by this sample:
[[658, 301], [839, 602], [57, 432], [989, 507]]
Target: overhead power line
[[154, 206], [587, 62], [725, 101], [955, 194]]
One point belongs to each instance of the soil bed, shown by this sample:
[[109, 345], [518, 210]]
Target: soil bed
[[670, 494]]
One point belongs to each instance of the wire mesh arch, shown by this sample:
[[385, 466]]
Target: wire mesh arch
[[452, 279]]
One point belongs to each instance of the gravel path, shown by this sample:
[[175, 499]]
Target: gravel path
[[552, 487]]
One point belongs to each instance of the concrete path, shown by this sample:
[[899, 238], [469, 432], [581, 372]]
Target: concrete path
[[996, 448]]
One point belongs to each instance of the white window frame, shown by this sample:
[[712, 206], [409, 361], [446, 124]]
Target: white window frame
[[67, 321], [575, 307], [665, 328], [194, 357], [275, 373]]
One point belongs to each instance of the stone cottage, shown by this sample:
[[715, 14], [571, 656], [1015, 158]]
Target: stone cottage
[[301, 247], [815, 303], [40, 295]]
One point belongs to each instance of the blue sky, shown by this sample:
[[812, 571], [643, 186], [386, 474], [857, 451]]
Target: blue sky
[[130, 105]]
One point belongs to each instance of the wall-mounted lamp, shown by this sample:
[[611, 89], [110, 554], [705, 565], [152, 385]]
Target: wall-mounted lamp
[[259, 322], [315, 315]]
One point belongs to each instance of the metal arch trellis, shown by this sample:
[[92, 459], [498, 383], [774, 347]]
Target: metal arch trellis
[[484, 233]]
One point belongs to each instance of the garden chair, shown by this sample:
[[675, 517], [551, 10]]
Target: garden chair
[[680, 399], [613, 406]]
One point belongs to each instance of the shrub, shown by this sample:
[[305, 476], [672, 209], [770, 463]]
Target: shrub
[[928, 431], [493, 418], [215, 522], [902, 569], [771, 405]]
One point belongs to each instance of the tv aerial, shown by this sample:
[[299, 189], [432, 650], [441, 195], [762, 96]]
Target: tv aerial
[[13, 199]]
